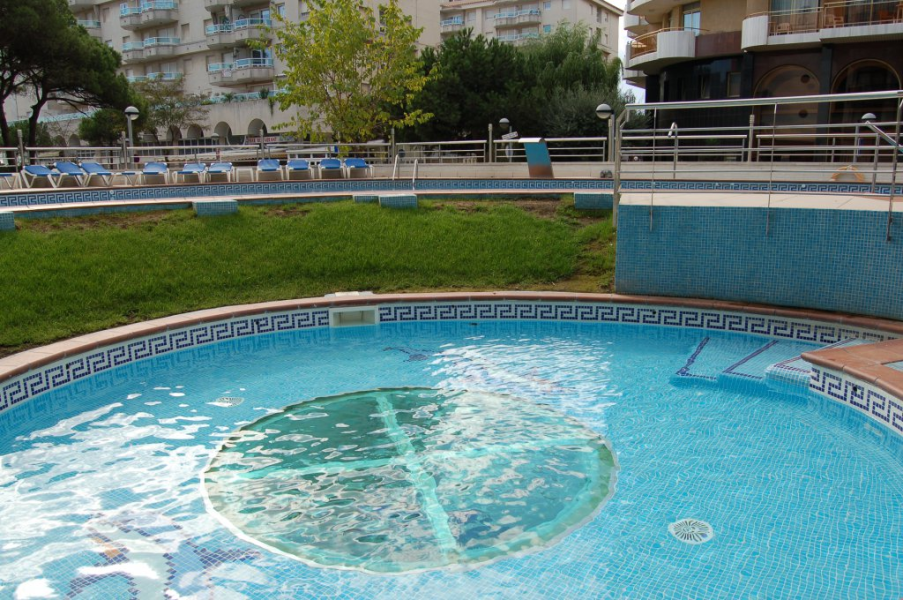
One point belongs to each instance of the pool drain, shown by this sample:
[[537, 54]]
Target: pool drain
[[692, 531], [410, 479]]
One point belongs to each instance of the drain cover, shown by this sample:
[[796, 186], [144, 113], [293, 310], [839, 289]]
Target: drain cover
[[692, 531], [410, 479]]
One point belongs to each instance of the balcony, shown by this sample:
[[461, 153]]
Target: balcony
[[635, 25], [250, 29], [244, 3], [214, 5], [160, 47], [661, 48], [240, 72], [835, 21], [219, 36], [150, 13], [169, 76], [453, 25], [518, 39], [653, 8], [92, 27], [132, 52], [517, 18], [76, 5]]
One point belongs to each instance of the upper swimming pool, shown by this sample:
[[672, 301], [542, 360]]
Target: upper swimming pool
[[469, 458]]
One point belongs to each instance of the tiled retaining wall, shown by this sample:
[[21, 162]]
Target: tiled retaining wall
[[859, 395], [834, 260], [209, 329], [265, 188]]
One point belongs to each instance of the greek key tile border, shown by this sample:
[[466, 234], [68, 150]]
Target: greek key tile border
[[72, 369], [869, 400], [266, 188], [770, 326]]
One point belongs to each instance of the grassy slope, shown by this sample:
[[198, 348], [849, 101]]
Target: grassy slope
[[66, 277]]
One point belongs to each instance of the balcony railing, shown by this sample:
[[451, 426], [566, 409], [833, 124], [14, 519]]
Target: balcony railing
[[89, 23], [249, 23], [452, 21], [170, 76], [648, 43], [162, 41], [253, 63], [847, 13], [215, 29], [129, 46]]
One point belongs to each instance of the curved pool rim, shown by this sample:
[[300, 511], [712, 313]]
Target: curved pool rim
[[856, 377]]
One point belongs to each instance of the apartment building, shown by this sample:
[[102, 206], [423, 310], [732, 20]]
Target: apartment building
[[715, 49], [515, 21], [204, 44]]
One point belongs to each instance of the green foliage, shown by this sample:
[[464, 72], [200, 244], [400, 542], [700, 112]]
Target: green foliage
[[347, 69], [103, 128], [468, 86], [549, 87], [167, 106], [44, 53]]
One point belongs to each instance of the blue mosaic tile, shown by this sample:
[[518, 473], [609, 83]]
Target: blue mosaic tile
[[212, 208], [593, 200], [398, 200], [833, 260], [7, 223]]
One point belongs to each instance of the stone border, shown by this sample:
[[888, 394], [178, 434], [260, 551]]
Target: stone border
[[34, 372]]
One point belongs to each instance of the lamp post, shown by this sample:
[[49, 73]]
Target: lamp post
[[604, 112], [131, 113]]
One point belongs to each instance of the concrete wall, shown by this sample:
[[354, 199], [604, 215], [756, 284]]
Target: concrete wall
[[722, 15], [829, 259]]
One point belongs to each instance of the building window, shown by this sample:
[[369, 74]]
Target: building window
[[692, 17], [598, 14], [471, 16], [733, 84], [547, 6], [280, 10], [705, 87], [547, 29]]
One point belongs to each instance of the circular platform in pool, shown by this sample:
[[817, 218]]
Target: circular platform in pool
[[406, 479]]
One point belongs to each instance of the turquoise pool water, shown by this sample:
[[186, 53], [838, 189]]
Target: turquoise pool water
[[101, 492]]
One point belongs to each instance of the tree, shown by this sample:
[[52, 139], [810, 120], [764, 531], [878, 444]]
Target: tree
[[80, 71], [167, 106], [469, 86], [348, 70]]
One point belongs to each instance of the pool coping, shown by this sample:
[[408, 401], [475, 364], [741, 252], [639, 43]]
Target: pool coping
[[852, 375]]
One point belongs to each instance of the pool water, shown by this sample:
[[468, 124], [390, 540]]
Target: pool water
[[101, 491]]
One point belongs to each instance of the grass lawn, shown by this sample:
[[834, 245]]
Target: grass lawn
[[66, 277]]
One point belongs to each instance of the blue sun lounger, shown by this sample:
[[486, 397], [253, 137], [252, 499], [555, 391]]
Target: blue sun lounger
[[220, 169], [331, 168], [197, 169], [71, 170], [156, 170], [358, 167], [31, 174], [269, 168], [10, 179], [298, 168]]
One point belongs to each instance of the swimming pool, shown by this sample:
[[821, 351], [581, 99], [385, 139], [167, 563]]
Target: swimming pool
[[103, 491]]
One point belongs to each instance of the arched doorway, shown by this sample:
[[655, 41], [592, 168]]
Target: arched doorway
[[257, 130], [789, 80], [224, 132], [865, 76]]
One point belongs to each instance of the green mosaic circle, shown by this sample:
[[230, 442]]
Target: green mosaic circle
[[408, 479]]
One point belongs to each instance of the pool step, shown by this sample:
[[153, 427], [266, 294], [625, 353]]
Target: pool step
[[714, 362]]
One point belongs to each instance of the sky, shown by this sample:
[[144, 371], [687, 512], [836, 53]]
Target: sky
[[622, 44]]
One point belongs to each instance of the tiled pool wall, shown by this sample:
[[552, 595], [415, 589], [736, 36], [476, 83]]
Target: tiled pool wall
[[350, 186], [862, 396], [833, 260], [102, 361]]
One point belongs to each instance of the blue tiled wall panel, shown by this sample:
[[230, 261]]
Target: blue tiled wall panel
[[593, 200], [213, 208], [836, 260], [7, 223], [398, 201]]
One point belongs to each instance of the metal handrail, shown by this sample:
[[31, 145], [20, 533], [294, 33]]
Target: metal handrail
[[414, 178]]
